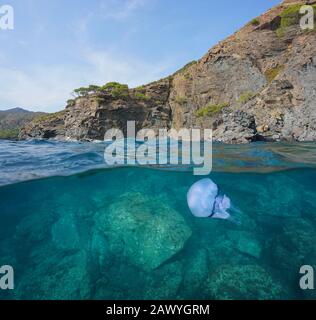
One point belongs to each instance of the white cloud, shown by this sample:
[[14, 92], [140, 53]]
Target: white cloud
[[40, 89], [120, 9], [106, 66], [47, 88]]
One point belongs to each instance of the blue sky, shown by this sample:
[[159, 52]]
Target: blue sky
[[60, 45]]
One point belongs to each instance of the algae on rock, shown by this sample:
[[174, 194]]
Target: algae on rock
[[237, 282], [146, 231]]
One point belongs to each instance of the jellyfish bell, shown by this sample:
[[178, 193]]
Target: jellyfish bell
[[205, 201], [201, 197]]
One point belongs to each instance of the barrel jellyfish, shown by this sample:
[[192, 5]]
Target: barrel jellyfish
[[206, 201]]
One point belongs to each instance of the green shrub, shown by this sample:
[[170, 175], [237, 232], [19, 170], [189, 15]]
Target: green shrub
[[210, 109], [81, 92], [140, 88], [71, 102], [181, 100], [141, 96], [48, 117], [255, 22], [9, 134], [187, 76], [117, 90], [271, 74], [85, 91], [93, 88], [191, 63], [289, 17], [246, 96], [184, 68], [99, 99]]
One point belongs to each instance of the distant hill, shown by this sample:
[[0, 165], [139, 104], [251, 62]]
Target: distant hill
[[15, 110], [12, 120]]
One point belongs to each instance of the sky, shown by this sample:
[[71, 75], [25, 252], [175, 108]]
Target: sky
[[57, 45]]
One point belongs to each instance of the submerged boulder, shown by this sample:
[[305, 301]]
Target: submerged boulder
[[64, 233], [246, 242], [144, 230], [281, 197], [34, 228], [59, 277], [292, 247], [195, 274], [164, 282], [242, 282]]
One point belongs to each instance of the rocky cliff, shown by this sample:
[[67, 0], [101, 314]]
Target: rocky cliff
[[258, 84]]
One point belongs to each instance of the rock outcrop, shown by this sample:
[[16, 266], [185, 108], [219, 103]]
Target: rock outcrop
[[231, 283], [258, 84], [147, 234], [45, 127]]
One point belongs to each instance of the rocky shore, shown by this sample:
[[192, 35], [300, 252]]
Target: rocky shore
[[258, 84]]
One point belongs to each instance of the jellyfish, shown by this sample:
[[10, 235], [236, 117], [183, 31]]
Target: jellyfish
[[206, 201]]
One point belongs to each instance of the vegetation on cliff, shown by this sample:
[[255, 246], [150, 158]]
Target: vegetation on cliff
[[255, 22], [272, 73], [141, 96], [210, 109], [9, 134], [116, 89], [181, 100], [289, 17], [49, 117], [246, 96], [186, 67]]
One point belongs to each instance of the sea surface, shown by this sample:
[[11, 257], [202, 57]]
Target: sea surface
[[74, 228]]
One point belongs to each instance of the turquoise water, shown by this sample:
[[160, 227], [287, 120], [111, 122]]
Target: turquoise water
[[127, 233]]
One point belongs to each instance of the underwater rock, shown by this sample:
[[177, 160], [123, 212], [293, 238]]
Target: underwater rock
[[99, 199], [300, 236], [196, 271], [120, 281], [100, 251], [280, 198], [245, 242], [75, 203], [34, 227], [164, 282], [58, 277], [7, 257], [266, 196], [145, 230], [64, 233], [242, 282], [230, 246], [289, 249], [149, 184]]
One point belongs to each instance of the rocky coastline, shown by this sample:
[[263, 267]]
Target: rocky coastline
[[258, 84]]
